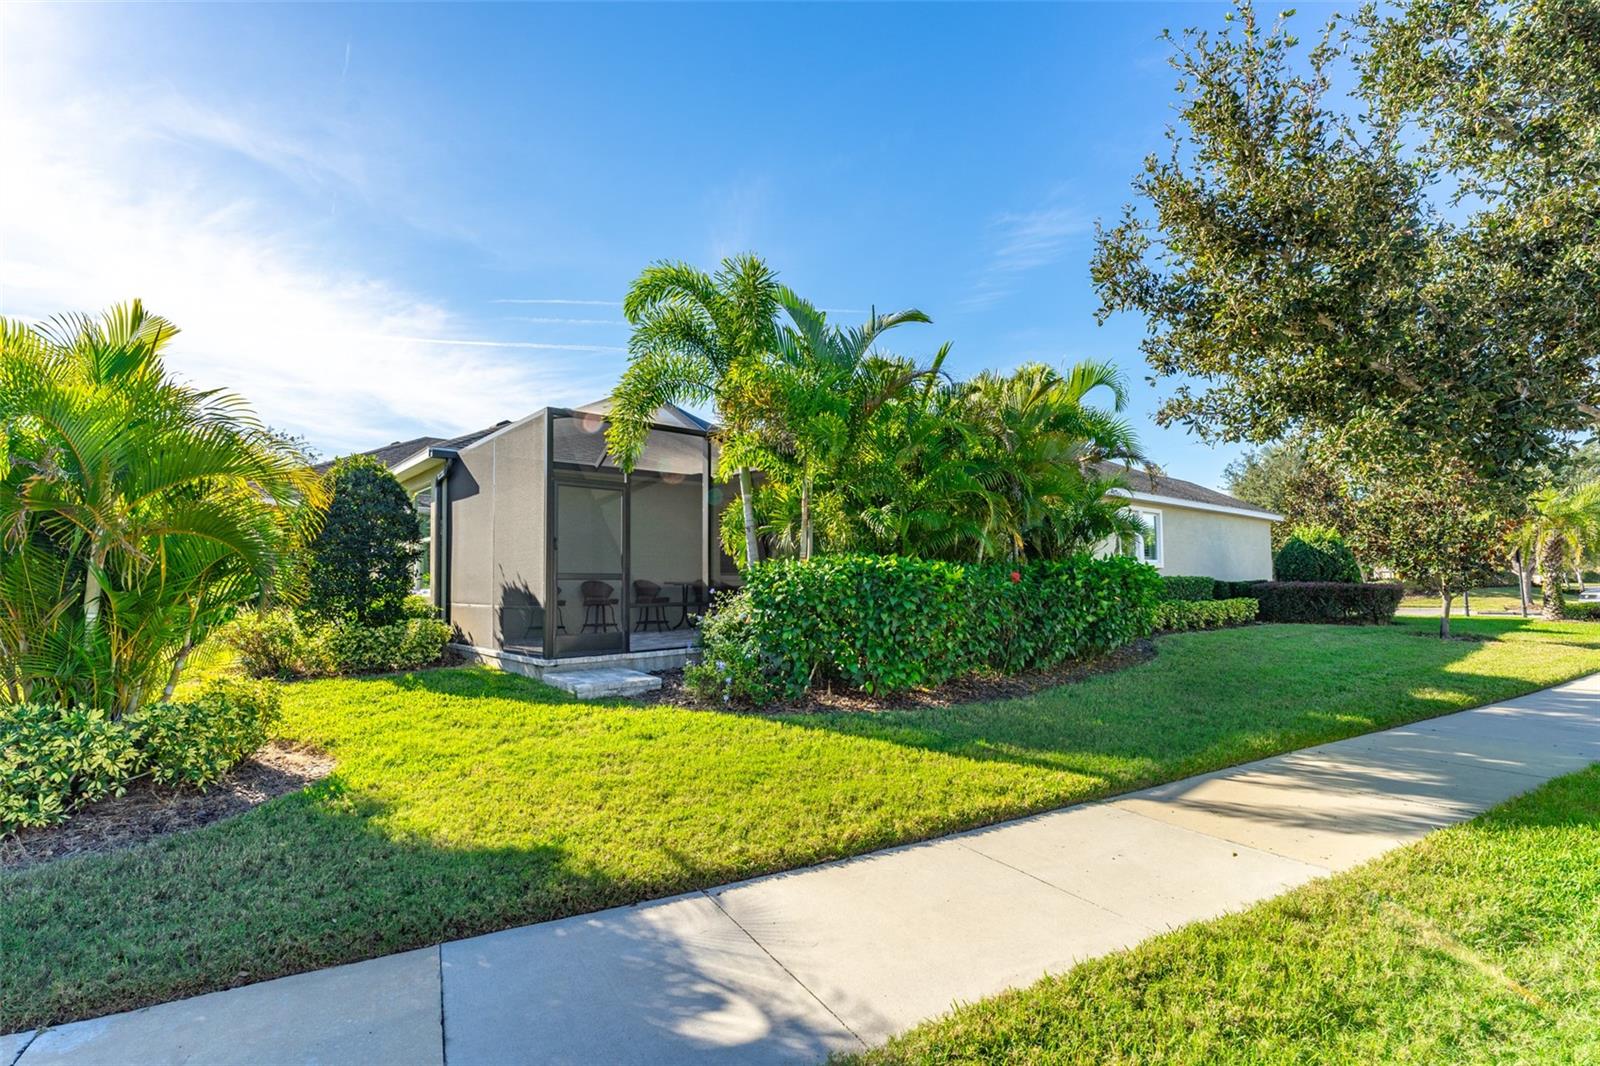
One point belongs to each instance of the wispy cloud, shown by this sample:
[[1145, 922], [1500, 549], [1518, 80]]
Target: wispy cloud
[[570, 303], [538, 320], [119, 200], [1019, 242]]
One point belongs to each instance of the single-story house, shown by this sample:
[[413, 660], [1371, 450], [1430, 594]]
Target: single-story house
[[540, 549]]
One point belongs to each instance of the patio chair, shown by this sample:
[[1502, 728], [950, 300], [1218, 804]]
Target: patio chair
[[599, 607], [652, 605]]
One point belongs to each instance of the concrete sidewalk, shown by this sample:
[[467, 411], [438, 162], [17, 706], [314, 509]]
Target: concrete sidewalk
[[791, 967]]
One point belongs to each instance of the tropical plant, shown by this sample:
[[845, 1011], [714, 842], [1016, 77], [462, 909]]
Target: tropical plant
[[698, 338], [1562, 527], [136, 513], [362, 564]]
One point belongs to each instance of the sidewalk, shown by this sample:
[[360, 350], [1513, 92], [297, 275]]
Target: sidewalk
[[791, 967]]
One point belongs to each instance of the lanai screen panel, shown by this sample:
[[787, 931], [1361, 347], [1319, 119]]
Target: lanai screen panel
[[668, 550]]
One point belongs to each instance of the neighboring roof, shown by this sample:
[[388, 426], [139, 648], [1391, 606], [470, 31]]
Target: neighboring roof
[[394, 453], [1141, 482]]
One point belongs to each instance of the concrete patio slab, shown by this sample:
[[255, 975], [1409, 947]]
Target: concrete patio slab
[[1159, 875], [891, 938], [380, 1011], [669, 982], [596, 682]]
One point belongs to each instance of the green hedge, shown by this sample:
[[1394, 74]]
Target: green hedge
[[1180, 587], [1327, 601], [277, 644], [889, 623], [1582, 611], [1174, 615], [55, 759]]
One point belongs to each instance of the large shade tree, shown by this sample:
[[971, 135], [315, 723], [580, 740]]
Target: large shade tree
[[1300, 262], [136, 512], [697, 339]]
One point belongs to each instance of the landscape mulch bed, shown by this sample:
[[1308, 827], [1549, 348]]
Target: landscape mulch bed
[[145, 811], [971, 689]]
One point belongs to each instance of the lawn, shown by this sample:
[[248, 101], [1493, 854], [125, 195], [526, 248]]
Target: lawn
[[1479, 944], [1495, 599], [467, 800]]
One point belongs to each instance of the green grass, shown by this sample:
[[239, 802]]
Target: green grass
[[1480, 944], [1500, 599], [467, 800]]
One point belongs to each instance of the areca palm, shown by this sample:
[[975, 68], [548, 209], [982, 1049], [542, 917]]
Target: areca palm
[[136, 513], [698, 338], [1562, 524]]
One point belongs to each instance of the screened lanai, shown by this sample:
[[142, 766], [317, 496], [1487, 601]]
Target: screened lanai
[[550, 550]]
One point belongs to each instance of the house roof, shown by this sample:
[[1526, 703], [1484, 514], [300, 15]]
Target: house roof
[[396, 452], [1176, 489]]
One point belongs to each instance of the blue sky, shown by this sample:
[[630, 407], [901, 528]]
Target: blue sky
[[383, 221]]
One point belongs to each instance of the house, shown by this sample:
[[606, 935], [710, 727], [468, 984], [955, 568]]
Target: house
[[542, 551], [1195, 530]]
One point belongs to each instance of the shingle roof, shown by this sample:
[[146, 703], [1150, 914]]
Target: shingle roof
[[1176, 488], [398, 451]]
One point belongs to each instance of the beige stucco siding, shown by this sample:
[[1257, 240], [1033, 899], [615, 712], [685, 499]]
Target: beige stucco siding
[[1225, 546]]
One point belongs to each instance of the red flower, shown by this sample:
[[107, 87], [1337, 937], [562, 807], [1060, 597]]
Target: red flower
[[1016, 575]]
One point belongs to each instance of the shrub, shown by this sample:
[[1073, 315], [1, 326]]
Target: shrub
[[196, 741], [1175, 615], [1582, 611], [1315, 553], [418, 607], [54, 758], [275, 644], [1178, 587], [1327, 601], [889, 623], [1233, 590], [361, 563], [376, 649]]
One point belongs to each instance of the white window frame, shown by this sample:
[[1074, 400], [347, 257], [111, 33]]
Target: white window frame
[[1153, 518]]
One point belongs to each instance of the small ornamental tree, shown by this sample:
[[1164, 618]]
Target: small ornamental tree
[[362, 564], [1442, 531], [1315, 553]]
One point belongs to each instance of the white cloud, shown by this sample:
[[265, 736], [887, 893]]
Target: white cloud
[[572, 303], [115, 200], [1020, 242]]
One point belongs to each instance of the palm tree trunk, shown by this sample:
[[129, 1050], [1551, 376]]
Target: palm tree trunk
[[1524, 576], [1552, 605], [752, 546], [805, 517]]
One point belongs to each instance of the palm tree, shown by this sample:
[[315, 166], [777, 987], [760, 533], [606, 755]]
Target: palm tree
[[1562, 524], [828, 385], [698, 338], [1042, 446], [136, 513]]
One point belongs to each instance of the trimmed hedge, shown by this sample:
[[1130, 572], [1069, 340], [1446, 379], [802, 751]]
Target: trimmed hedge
[[884, 623], [1582, 611], [1327, 601], [56, 759], [1179, 587], [1173, 616]]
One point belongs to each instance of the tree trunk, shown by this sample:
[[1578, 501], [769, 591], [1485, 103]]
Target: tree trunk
[[1444, 614], [805, 517], [1524, 579], [1551, 603], [1466, 604], [752, 546]]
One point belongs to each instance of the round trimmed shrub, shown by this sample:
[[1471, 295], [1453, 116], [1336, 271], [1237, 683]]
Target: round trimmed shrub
[[1315, 553]]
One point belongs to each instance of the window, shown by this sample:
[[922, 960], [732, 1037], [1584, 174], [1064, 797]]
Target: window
[[1147, 545], [423, 502]]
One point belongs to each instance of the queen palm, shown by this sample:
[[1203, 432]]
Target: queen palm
[[699, 338], [136, 513], [1562, 525]]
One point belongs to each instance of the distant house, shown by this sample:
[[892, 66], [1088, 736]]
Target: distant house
[[1196, 530], [540, 550]]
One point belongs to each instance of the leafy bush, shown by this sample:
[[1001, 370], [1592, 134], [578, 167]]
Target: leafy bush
[[1179, 587], [1174, 615], [418, 607], [361, 562], [1582, 611], [1315, 553], [890, 623], [54, 758], [1233, 590], [196, 741], [1327, 601], [275, 644], [375, 649]]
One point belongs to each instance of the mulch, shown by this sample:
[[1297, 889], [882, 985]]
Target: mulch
[[146, 811], [973, 688]]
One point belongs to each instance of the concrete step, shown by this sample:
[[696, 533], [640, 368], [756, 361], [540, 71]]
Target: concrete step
[[602, 681]]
